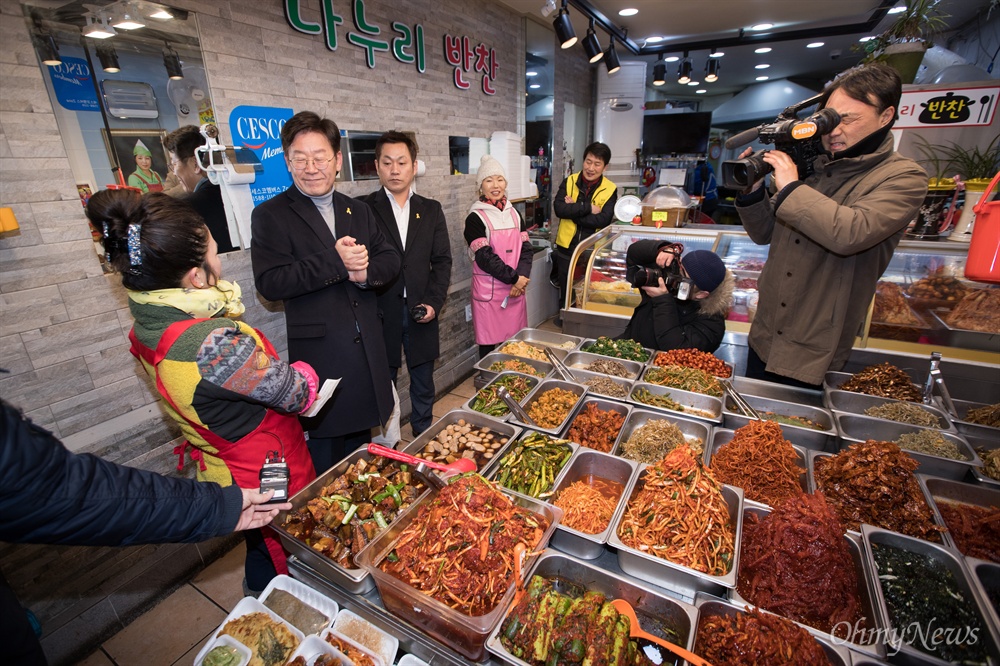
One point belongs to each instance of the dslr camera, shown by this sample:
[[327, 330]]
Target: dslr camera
[[418, 312], [799, 139], [678, 286]]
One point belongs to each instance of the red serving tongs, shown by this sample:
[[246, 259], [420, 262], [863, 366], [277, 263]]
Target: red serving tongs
[[460, 466]]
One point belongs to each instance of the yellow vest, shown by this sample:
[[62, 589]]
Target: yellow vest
[[567, 228]]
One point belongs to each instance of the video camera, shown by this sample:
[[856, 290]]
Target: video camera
[[679, 286], [799, 139]]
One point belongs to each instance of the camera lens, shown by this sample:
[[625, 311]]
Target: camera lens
[[418, 312]]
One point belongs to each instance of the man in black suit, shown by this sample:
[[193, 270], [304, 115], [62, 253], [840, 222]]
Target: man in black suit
[[410, 304], [322, 253], [199, 191]]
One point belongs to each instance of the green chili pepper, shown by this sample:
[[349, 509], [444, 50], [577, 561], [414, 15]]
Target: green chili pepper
[[392, 556], [350, 514], [380, 519]]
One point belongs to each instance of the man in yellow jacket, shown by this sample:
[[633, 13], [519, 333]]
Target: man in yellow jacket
[[584, 204]]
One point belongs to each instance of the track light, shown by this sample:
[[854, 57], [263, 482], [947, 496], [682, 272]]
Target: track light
[[47, 48], [712, 68], [564, 29], [611, 57], [591, 45], [659, 72], [108, 56], [161, 14], [130, 19], [98, 28], [684, 70], [548, 9], [172, 62]]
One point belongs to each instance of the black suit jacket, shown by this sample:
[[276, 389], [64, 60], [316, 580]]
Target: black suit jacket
[[426, 274], [332, 323], [207, 200]]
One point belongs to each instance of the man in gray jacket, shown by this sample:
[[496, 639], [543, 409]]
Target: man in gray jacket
[[831, 235]]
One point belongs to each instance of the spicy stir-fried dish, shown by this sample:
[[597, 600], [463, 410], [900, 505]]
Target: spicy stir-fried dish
[[353, 508], [761, 461], [459, 549], [754, 638]]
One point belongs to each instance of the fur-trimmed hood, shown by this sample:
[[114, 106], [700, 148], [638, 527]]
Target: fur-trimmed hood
[[720, 300]]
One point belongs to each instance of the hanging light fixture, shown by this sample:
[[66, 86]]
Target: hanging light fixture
[[564, 28], [712, 67], [591, 45], [130, 18], [172, 62], [108, 56], [47, 49], [611, 57], [98, 28], [659, 72], [684, 70]]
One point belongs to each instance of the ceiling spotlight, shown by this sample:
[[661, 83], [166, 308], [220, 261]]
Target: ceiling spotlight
[[761, 26], [659, 73], [712, 68], [108, 56], [763, 78], [763, 65], [162, 14], [611, 57], [549, 8], [815, 45], [564, 28], [531, 73], [716, 53], [763, 49], [172, 62], [694, 83], [684, 70], [628, 11], [701, 91], [591, 45], [897, 10], [671, 59], [866, 39], [98, 28], [47, 48], [130, 19], [656, 39], [535, 86]]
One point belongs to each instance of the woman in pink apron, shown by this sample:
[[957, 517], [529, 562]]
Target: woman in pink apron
[[501, 260], [235, 401]]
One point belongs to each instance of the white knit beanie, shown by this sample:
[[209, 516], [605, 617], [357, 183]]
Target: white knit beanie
[[488, 166]]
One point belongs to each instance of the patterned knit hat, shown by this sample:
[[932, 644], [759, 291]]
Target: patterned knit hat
[[705, 268], [488, 166]]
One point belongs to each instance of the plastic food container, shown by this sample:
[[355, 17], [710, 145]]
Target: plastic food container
[[246, 606], [314, 646], [367, 635], [823, 439], [543, 387], [474, 419], [722, 437], [376, 659], [532, 382], [307, 595], [228, 641], [465, 634], [696, 405]]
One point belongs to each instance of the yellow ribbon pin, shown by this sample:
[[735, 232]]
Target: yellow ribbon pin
[[348, 211], [418, 216]]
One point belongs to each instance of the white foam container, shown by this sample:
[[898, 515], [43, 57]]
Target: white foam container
[[246, 606], [410, 660], [388, 644], [245, 652], [313, 646], [305, 594], [378, 661]]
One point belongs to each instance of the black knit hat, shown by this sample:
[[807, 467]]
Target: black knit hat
[[705, 268]]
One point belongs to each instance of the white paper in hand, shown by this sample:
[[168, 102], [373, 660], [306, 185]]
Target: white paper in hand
[[325, 391]]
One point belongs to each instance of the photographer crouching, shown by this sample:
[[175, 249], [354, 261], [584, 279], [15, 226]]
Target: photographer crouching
[[684, 300]]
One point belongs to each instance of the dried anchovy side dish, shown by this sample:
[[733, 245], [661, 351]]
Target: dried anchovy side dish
[[524, 350], [872, 482], [654, 439], [532, 465], [550, 409], [761, 461], [608, 367], [680, 515], [930, 442], [514, 365], [694, 358], [884, 380], [991, 462], [596, 428], [975, 529], [987, 416], [607, 387], [630, 350], [795, 562], [488, 402], [459, 549], [685, 379], [904, 412], [753, 638], [353, 508], [919, 590]]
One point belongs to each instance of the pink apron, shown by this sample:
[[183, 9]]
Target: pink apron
[[492, 323]]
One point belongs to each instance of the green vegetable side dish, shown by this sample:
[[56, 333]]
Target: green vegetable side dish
[[531, 467], [513, 365], [488, 402], [664, 401], [630, 350], [685, 379], [222, 655]]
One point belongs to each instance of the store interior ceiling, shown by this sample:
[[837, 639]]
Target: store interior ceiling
[[668, 28]]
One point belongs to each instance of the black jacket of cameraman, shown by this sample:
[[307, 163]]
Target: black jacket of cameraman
[[666, 323]]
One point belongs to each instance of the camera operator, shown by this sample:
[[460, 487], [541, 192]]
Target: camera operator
[[831, 234], [684, 301]]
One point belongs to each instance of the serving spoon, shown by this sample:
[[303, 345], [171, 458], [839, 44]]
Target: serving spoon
[[460, 466], [635, 631]]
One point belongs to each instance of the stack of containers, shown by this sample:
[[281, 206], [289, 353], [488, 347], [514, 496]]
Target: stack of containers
[[505, 147]]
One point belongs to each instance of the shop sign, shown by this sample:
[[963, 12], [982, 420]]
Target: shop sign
[[407, 47], [458, 52], [258, 129], [958, 107], [74, 85]]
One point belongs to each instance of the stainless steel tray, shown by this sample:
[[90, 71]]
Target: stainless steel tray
[[603, 466], [907, 653], [652, 608], [963, 406], [475, 419], [944, 334], [696, 405], [355, 580], [547, 385], [483, 366], [675, 577], [710, 607], [825, 439], [548, 339], [721, 437], [940, 490], [603, 404], [869, 607], [495, 469], [583, 376], [580, 360], [832, 381], [532, 381], [590, 341], [986, 577], [651, 363], [981, 437], [691, 428], [764, 389], [854, 428], [857, 403]]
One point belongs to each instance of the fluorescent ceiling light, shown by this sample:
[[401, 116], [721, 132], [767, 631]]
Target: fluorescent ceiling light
[[671, 59], [655, 39], [628, 11], [533, 86], [694, 83], [762, 78], [531, 73], [716, 54], [815, 45], [761, 26], [763, 49], [701, 91]]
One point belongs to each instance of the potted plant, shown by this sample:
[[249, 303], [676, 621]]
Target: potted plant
[[903, 43]]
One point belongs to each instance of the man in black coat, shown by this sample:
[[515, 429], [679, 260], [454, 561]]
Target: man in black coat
[[323, 255], [411, 303]]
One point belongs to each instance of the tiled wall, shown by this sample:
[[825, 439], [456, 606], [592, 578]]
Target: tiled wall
[[63, 324]]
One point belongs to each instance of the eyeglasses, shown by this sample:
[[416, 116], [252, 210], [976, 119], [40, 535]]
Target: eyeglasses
[[321, 163]]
